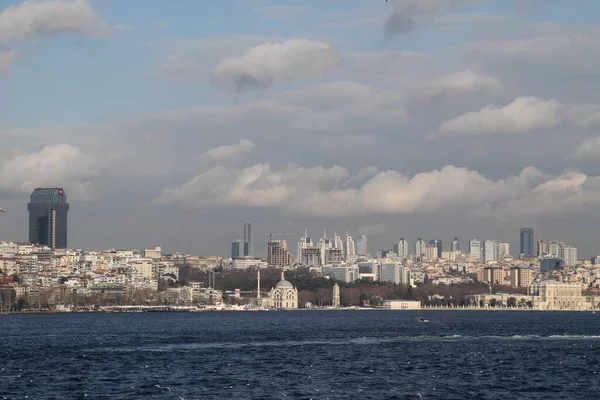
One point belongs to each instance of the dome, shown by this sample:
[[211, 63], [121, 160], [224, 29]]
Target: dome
[[284, 284]]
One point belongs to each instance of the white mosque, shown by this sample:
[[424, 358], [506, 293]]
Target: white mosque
[[284, 296]]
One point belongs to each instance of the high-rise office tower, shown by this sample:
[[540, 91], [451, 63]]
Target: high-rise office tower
[[455, 245], [526, 240], [237, 249], [337, 242], [474, 250], [361, 245], [503, 250], [350, 250], [490, 250], [48, 209], [249, 244]]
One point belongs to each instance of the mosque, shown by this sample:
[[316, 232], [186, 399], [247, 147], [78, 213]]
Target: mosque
[[284, 296]]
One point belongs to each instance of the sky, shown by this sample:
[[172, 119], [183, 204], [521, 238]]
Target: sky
[[173, 123]]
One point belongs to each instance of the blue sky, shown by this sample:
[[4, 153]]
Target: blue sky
[[467, 115]]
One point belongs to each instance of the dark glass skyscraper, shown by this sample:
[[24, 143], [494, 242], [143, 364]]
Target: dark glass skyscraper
[[48, 217], [248, 243], [527, 241]]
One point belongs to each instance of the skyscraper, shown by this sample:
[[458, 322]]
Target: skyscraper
[[527, 241], [455, 245], [401, 249], [237, 249], [48, 209], [437, 243], [474, 250], [420, 247], [249, 245], [361, 245], [350, 251]]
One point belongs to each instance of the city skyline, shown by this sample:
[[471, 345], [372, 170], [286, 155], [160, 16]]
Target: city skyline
[[168, 129]]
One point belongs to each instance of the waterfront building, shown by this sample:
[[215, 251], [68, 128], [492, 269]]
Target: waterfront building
[[402, 304], [335, 297], [554, 295], [48, 210], [284, 296], [526, 241]]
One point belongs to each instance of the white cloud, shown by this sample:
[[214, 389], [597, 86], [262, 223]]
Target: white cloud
[[61, 165], [6, 60], [462, 81], [36, 18], [523, 115], [229, 152], [270, 62], [280, 13], [325, 191], [320, 191]]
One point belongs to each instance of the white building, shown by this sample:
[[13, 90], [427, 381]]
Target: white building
[[284, 295], [474, 250], [350, 250], [490, 250], [420, 247], [401, 249], [569, 255]]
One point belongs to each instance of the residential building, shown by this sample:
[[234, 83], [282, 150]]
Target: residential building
[[401, 249], [420, 247], [520, 277], [278, 254]]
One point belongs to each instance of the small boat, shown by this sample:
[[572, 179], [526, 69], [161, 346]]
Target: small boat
[[421, 319]]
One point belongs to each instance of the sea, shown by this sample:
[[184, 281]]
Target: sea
[[301, 355]]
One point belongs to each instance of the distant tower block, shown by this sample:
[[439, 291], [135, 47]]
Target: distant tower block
[[336, 296]]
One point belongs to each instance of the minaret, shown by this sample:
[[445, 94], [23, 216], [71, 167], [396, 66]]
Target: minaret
[[258, 288]]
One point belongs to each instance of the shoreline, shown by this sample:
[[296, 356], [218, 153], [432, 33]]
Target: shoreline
[[272, 310]]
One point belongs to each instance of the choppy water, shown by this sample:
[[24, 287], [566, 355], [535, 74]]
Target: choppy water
[[301, 355]]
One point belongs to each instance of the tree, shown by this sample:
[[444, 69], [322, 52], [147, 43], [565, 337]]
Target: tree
[[511, 302]]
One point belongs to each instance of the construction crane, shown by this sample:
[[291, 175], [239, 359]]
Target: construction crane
[[271, 234]]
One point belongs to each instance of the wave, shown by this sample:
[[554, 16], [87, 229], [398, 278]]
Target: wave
[[339, 342]]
